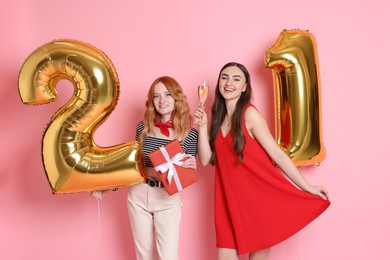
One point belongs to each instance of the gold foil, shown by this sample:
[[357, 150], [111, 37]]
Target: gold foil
[[293, 61], [72, 161]]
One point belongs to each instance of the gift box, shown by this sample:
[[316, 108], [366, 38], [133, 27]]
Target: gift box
[[167, 161]]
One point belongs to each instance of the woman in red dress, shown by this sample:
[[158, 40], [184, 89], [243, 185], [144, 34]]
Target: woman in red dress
[[255, 206]]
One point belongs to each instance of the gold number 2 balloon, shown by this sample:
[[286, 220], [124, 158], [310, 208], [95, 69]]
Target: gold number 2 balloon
[[294, 64], [72, 161]]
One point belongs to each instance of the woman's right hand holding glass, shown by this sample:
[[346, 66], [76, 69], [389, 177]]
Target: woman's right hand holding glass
[[200, 116]]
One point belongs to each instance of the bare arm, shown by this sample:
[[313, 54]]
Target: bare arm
[[204, 150], [257, 127]]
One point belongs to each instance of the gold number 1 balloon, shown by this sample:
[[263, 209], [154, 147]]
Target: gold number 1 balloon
[[294, 64], [72, 161]]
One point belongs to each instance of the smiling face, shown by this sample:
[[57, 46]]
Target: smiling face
[[163, 102], [232, 82]]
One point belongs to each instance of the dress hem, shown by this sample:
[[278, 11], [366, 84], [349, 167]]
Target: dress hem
[[269, 245]]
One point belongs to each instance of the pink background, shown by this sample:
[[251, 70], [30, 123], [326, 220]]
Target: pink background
[[191, 40]]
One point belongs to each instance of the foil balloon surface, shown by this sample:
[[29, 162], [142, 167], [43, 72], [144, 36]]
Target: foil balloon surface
[[293, 60], [71, 159]]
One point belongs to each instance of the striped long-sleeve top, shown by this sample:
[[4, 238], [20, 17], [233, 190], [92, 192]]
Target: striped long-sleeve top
[[150, 143]]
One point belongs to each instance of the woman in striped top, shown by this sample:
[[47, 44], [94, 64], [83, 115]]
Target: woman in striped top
[[154, 215]]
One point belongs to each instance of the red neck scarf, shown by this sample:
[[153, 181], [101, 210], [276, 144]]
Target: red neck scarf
[[164, 127]]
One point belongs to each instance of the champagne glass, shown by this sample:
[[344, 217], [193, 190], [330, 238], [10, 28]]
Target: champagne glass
[[203, 91]]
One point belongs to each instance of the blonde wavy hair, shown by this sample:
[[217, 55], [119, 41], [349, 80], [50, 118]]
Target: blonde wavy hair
[[181, 114]]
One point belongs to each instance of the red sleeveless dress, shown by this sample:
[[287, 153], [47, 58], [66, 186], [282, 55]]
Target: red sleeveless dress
[[256, 207]]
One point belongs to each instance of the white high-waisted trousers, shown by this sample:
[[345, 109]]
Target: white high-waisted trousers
[[155, 222]]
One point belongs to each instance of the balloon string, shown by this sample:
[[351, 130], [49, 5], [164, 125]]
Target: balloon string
[[99, 228], [301, 245], [98, 201]]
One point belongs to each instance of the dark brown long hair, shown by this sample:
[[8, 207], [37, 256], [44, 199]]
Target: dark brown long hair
[[219, 112], [181, 114]]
